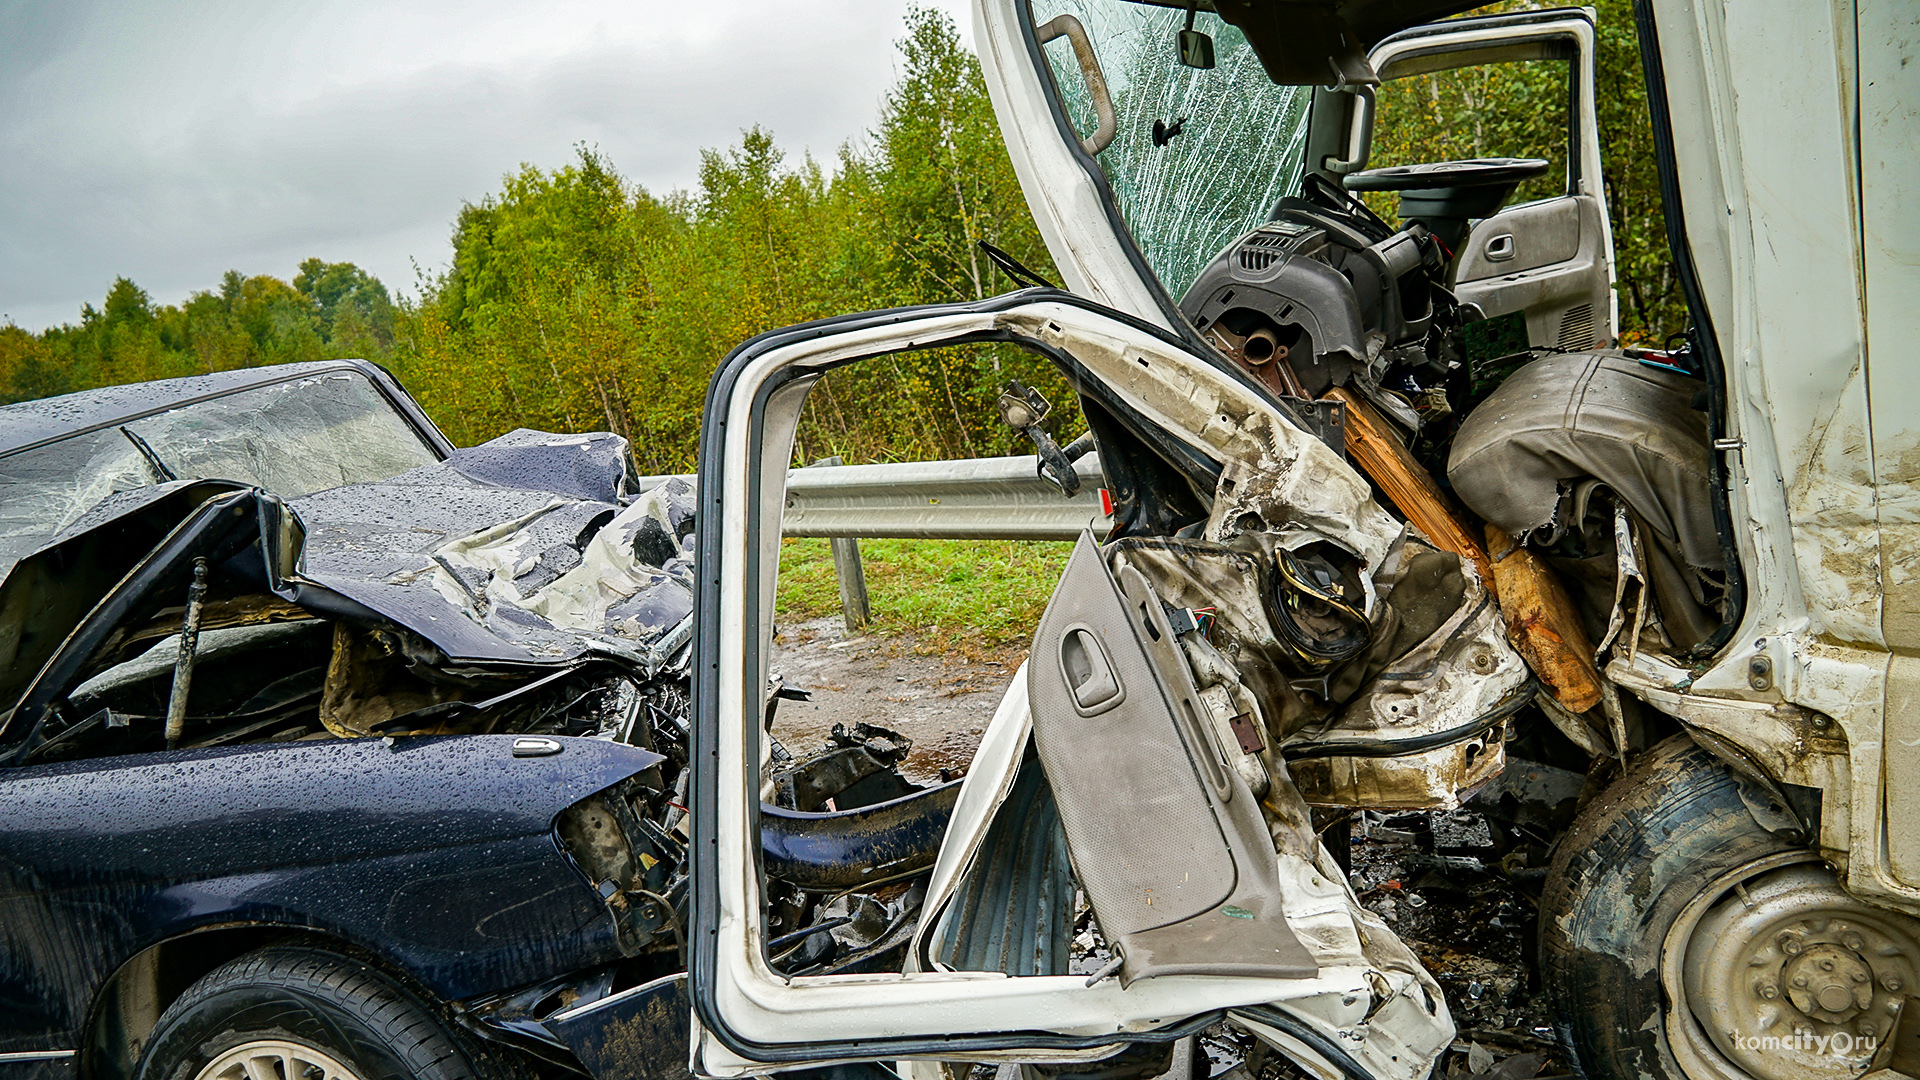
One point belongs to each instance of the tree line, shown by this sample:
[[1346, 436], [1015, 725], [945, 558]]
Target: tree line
[[577, 300]]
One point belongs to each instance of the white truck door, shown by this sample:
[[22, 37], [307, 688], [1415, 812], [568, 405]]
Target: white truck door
[[1549, 256], [1137, 168], [1214, 921]]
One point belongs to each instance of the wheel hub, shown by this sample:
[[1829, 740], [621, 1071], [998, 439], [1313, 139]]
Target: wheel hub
[[1830, 983], [1792, 978]]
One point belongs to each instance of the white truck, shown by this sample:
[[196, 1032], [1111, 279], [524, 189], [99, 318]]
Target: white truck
[[1741, 900]]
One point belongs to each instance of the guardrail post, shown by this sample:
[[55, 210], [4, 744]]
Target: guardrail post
[[852, 577]]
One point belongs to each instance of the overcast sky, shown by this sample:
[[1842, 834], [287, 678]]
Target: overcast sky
[[172, 142]]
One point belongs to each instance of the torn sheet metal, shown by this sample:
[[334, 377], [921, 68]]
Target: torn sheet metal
[[1281, 489], [1421, 706], [1628, 577], [1235, 585], [366, 552], [1845, 531], [1431, 723], [581, 566], [1285, 477], [545, 571]]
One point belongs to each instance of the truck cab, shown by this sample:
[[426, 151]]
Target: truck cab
[[1386, 493]]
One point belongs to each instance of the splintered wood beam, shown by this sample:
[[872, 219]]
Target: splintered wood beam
[[1373, 445], [1542, 624]]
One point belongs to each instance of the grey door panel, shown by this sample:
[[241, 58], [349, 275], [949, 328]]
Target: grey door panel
[[1536, 234], [1166, 840], [1547, 259]]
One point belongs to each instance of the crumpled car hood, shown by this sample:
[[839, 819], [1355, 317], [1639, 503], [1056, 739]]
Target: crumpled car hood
[[519, 550], [527, 550]]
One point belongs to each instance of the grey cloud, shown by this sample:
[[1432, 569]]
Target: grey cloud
[[170, 177]]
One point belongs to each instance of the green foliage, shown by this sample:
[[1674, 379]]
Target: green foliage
[[954, 595], [27, 370], [576, 300], [1520, 109], [333, 310], [352, 306], [942, 179], [1516, 109]]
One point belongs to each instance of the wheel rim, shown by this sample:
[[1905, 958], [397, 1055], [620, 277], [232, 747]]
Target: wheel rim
[[1778, 974], [275, 1059]]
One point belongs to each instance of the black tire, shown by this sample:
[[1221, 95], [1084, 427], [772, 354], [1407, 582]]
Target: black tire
[[312, 998], [1671, 827]]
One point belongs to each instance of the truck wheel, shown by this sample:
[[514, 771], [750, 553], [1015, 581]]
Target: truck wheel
[[289, 1013], [1681, 939]]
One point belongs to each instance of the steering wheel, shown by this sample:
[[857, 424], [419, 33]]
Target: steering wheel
[[1473, 172]]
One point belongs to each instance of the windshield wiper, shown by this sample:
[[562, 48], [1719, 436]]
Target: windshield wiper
[[153, 460]]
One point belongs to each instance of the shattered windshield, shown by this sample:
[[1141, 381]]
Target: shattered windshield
[[1200, 155], [291, 438]]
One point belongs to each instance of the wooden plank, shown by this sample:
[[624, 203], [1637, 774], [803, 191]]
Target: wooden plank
[[1374, 446], [1542, 624]]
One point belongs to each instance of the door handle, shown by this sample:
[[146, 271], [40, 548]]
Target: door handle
[[1089, 674], [1076, 35], [1501, 248]]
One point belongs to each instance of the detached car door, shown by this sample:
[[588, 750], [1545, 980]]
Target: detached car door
[[1105, 769]]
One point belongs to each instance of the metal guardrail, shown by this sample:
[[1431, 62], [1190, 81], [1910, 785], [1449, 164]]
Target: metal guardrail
[[999, 498], [974, 499]]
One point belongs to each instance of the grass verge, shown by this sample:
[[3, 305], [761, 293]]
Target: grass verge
[[955, 596]]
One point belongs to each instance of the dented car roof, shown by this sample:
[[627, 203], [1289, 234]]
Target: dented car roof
[[31, 422]]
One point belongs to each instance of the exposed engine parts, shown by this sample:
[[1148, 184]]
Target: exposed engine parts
[[1326, 292], [1590, 470]]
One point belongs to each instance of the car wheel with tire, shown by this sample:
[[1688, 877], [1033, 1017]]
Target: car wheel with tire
[[293, 1013], [1687, 933]]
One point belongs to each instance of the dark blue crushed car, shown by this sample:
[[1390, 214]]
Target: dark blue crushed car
[[333, 751]]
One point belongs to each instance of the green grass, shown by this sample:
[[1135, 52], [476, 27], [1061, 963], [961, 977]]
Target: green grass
[[953, 595]]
